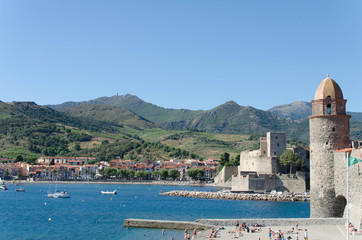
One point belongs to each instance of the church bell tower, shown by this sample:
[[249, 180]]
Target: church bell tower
[[329, 131]]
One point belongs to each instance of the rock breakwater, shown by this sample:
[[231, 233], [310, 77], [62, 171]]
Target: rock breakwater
[[239, 196]]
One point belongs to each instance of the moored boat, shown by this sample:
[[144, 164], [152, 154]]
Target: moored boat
[[3, 187], [109, 192], [20, 189], [59, 194]]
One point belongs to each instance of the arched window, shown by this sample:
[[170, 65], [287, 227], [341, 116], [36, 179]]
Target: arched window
[[329, 109]]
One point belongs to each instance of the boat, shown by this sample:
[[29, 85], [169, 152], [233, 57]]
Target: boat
[[109, 192], [3, 187], [20, 189], [59, 194]]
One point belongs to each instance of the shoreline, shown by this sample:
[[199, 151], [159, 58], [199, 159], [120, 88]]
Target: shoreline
[[154, 182]]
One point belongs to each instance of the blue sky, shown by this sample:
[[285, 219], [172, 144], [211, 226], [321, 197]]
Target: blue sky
[[192, 54]]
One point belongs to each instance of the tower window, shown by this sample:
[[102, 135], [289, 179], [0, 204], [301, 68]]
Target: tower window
[[333, 129], [277, 144], [326, 143], [329, 109]]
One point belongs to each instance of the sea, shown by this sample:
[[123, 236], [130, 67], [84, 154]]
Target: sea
[[90, 215]]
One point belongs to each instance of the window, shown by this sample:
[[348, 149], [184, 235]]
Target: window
[[275, 153], [333, 129], [277, 144], [329, 109]]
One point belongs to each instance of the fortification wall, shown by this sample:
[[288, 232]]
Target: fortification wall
[[291, 184], [226, 173], [251, 161], [240, 183]]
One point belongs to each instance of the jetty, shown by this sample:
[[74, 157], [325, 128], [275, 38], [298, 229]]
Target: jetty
[[240, 196]]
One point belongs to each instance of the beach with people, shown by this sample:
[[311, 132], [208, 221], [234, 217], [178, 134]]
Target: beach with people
[[316, 232]]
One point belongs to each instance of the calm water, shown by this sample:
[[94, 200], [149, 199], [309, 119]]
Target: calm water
[[25, 215]]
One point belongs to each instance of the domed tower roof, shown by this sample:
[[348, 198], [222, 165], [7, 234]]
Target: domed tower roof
[[328, 88]]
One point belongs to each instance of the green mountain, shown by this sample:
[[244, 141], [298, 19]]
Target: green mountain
[[28, 131], [110, 114], [147, 110], [228, 118], [231, 118]]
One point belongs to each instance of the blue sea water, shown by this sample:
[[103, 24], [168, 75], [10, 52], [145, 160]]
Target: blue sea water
[[90, 215]]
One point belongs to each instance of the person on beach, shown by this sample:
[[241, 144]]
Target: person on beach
[[270, 233], [296, 225], [195, 232], [306, 234], [237, 223], [163, 231]]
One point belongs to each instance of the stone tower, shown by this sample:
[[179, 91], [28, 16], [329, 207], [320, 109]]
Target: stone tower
[[329, 131]]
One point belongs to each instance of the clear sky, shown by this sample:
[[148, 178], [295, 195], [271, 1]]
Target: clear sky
[[192, 54]]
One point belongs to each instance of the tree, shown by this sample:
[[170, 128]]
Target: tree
[[195, 173], [224, 159], [157, 174], [7, 174], [19, 158], [130, 174], [235, 161], [173, 173], [110, 171], [289, 158], [140, 174], [86, 172], [77, 147], [164, 174], [122, 173]]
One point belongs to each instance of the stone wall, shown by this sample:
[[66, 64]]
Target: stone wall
[[239, 196], [145, 223], [226, 173], [292, 184], [355, 185], [251, 161]]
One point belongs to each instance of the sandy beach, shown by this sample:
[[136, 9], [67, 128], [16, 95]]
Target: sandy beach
[[328, 232]]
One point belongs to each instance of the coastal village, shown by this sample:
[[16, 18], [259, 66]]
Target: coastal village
[[79, 168]]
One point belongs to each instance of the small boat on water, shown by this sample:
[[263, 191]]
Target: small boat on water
[[3, 187], [59, 194], [20, 189], [109, 192]]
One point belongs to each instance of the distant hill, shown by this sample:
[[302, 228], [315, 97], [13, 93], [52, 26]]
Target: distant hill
[[28, 130], [293, 111], [228, 118], [111, 114], [300, 110], [147, 110], [231, 118]]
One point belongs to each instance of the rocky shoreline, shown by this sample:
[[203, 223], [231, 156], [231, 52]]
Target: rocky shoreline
[[240, 196]]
